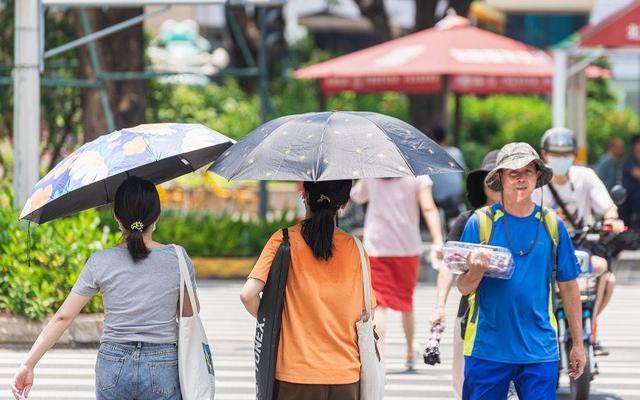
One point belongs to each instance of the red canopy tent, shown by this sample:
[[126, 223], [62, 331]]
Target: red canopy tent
[[473, 60], [454, 56], [621, 29]]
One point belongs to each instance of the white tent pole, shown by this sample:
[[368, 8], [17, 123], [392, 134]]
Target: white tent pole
[[26, 99], [581, 116], [559, 97]]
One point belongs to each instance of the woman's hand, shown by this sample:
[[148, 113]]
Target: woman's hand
[[22, 382], [438, 318], [48, 337]]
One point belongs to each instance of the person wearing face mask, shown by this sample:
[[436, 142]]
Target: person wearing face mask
[[576, 193]]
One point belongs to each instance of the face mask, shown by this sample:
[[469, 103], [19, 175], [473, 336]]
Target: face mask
[[560, 165]]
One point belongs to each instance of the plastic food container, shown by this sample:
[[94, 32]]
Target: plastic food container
[[501, 264]]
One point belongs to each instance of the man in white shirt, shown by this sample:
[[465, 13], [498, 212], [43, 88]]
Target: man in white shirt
[[576, 193]]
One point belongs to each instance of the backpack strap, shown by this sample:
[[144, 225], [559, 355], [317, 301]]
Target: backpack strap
[[485, 224], [550, 222]]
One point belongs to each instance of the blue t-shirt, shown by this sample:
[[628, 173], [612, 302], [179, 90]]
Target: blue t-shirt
[[515, 321]]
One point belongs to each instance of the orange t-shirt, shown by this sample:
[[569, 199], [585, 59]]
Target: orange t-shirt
[[323, 301]]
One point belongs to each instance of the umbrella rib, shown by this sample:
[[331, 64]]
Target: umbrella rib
[[399, 152], [106, 190], [324, 131]]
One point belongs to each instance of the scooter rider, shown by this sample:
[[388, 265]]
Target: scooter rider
[[576, 193]]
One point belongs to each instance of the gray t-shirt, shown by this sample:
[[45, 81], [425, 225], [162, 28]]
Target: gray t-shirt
[[140, 299]]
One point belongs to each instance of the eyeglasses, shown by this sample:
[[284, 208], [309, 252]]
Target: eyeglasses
[[517, 174]]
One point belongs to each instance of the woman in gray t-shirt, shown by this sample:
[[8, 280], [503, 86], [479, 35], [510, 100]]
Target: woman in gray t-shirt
[[139, 281]]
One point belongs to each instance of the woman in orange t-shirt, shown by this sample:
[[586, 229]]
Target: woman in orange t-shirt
[[318, 356]]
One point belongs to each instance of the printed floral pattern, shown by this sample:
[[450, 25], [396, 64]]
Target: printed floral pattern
[[37, 199], [135, 146], [89, 167], [119, 152]]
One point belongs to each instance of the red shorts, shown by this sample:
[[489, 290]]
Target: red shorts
[[394, 281]]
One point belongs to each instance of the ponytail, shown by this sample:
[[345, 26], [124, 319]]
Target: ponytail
[[137, 207], [136, 246], [324, 199]]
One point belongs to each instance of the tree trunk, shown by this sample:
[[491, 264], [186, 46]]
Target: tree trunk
[[375, 12], [250, 30], [122, 51], [427, 110]]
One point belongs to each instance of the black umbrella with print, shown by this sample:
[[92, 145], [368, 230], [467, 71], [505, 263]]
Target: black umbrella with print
[[334, 145]]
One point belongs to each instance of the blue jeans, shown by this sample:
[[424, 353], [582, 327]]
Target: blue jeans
[[137, 370], [489, 380]]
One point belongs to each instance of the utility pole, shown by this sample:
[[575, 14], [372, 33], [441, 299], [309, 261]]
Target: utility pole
[[26, 99]]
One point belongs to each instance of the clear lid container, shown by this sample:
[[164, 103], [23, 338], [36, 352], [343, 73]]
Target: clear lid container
[[501, 265]]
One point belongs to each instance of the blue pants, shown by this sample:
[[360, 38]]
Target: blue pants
[[141, 371], [489, 380]]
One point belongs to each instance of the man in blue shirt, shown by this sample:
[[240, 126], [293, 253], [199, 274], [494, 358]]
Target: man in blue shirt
[[511, 332]]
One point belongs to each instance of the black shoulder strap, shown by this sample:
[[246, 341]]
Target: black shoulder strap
[[560, 202], [285, 234]]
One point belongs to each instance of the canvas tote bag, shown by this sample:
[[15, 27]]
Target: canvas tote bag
[[372, 374], [195, 366]]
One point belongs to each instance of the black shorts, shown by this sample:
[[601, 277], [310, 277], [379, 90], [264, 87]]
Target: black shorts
[[600, 250]]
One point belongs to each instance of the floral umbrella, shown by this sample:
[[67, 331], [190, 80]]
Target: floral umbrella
[[90, 176]]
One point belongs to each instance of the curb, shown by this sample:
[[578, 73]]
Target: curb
[[85, 329], [223, 268]]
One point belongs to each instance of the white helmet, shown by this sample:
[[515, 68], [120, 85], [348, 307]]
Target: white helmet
[[559, 140]]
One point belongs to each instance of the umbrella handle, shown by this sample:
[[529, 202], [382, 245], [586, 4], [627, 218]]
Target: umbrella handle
[[29, 244]]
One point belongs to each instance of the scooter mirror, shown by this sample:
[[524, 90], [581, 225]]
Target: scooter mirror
[[618, 194]]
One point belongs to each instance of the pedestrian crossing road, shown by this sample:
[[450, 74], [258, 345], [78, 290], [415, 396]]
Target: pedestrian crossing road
[[68, 373]]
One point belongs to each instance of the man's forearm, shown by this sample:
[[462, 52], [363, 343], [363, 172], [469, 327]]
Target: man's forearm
[[611, 213], [570, 293], [468, 282]]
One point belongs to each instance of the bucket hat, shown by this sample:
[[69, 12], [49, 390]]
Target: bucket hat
[[516, 156]]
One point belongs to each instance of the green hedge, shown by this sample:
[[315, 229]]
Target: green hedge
[[59, 251], [491, 122]]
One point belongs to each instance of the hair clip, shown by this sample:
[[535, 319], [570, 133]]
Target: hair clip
[[137, 225], [324, 197]]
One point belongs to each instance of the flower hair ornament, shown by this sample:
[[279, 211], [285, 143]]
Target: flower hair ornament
[[138, 226], [324, 197]]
